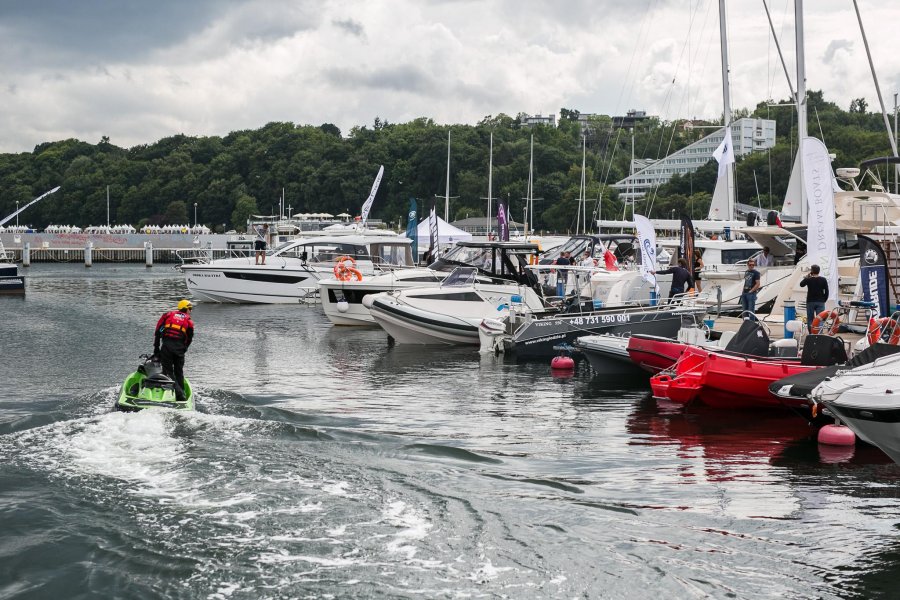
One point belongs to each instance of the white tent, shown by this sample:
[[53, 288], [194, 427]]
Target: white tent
[[447, 234]]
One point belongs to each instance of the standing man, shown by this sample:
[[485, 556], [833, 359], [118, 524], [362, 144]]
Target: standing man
[[175, 332], [261, 242], [681, 277], [751, 286], [562, 275], [816, 294]]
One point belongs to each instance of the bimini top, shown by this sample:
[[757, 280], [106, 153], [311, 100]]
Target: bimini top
[[501, 245]]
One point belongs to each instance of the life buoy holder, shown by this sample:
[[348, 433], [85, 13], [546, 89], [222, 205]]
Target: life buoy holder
[[824, 317], [877, 328], [345, 269]]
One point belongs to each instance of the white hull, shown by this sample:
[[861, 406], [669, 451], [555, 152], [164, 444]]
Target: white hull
[[445, 315], [355, 312], [411, 326], [251, 284], [865, 400]]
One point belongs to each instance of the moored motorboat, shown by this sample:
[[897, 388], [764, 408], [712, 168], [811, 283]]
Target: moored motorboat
[[292, 271], [739, 380], [11, 282], [867, 400], [607, 354], [342, 300], [451, 313]]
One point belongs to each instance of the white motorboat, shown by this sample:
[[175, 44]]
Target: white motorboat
[[451, 313], [292, 271], [342, 300], [867, 400]]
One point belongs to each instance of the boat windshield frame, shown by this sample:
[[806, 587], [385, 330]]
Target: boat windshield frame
[[460, 277]]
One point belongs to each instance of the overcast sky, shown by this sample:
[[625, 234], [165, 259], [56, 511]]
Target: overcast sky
[[138, 71]]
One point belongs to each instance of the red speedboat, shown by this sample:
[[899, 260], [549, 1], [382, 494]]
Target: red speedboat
[[725, 379]]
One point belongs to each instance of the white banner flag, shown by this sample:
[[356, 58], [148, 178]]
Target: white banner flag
[[821, 237], [724, 153], [647, 240], [368, 203]]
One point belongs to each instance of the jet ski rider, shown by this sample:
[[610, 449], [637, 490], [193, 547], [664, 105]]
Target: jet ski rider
[[175, 330]]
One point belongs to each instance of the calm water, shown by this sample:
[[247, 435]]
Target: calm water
[[325, 463]]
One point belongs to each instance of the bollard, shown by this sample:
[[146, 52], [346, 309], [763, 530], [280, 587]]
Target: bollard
[[148, 254], [790, 313], [26, 254], [89, 254]]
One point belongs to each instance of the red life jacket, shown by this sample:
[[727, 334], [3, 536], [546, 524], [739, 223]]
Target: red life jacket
[[177, 325]]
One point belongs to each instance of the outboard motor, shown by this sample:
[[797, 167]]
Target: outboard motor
[[751, 218], [772, 218]]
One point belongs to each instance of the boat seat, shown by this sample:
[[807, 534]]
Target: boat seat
[[823, 350], [726, 338], [159, 381]]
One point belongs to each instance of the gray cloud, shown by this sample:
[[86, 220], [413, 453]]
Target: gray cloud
[[405, 78], [834, 47], [350, 26]]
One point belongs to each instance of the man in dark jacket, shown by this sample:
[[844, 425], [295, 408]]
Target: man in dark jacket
[[174, 334], [681, 277], [816, 294]]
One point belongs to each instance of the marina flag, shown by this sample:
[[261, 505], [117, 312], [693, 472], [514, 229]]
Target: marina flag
[[821, 237], [367, 205], [873, 273], [724, 153], [412, 226], [502, 222], [647, 239], [686, 243], [433, 232]]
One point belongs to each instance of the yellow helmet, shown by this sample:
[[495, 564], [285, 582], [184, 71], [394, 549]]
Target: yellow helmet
[[185, 305]]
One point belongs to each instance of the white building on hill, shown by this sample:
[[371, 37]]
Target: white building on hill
[[748, 135]]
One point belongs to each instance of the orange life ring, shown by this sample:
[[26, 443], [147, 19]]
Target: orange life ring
[[823, 317], [877, 327], [343, 272]]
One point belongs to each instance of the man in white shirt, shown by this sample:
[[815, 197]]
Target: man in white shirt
[[764, 259]]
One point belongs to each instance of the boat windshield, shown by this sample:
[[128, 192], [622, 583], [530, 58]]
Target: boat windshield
[[468, 255], [461, 276]]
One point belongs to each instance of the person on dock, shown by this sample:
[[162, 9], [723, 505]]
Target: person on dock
[[174, 334], [751, 287], [562, 274], [698, 267], [261, 242], [681, 277], [816, 294]]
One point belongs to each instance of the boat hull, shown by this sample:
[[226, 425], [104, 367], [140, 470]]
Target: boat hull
[[536, 338], [875, 423], [250, 284], [653, 353], [608, 355], [10, 281], [409, 325], [728, 381]]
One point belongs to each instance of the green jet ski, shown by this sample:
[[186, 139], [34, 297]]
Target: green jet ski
[[149, 387]]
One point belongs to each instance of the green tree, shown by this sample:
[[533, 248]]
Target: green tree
[[244, 207]]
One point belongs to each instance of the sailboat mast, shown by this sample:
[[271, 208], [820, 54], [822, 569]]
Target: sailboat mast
[[447, 189], [726, 98], [529, 202], [490, 182], [801, 100], [582, 200]]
